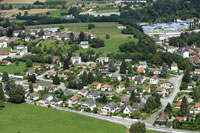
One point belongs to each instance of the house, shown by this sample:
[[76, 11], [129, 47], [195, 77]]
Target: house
[[179, 103], [130, 76], [93, 95], [37, 87], [191, 85], [162, 91], [120, 88], [20, 47], [30, 72], [76, 60], [6, 62], [52, 88], [156, 71], [109, 108], [3, 55], [116, 77], [73, 101], [118, 63], [197, 106], [56, 101], [34, 96], [3, 44], [49, 66], [83, 92], [106, 87], [36, 67], [102, 60], [124, 99], [154, 80], [143, 64], [174, 67], [47, 97], [146, 89], [196, 73], [127, 109], [139, 80], [139, 106], [129, 90], [96, 85], [163, 118], [91, 104], [166, 84], [128, 60], [84, 44], [141, 70], [51, 74], [184, 118], [68, 92]]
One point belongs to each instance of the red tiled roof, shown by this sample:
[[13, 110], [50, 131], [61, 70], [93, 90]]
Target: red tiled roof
[[74, 98], [160, 89], [140, 69], [197, 105]]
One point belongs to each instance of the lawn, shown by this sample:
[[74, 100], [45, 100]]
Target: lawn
[[19, 1], [12, 68], [101, 29], [32, 119]]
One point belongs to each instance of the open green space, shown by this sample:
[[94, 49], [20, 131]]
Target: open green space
[[12, 68], [32, 119], [101, 29]]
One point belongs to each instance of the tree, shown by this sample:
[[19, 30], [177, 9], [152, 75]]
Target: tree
[[17, 94], [17, 63], [186, 77], [5, 77], [107, 36], [29, 63], [41, 33], [130, 69], [168, 109], [136, 114], [112, 67], [66, 64], [184, 106], [137, 127], [164, 72], [123, 67], [56, 80], [32, 78], [183, 86], [90, 77], [81, 36], [26, 13], [1, 92], [133, 97], [30, 88]]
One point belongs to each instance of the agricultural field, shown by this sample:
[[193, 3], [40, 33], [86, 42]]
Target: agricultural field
[[12, 68], [19, 1], [9, 13], [101, 29], [26, 118]]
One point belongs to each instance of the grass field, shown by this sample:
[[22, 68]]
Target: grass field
[[12, 68], [20, 1], [101, 29], [32, 119], [9, 13]]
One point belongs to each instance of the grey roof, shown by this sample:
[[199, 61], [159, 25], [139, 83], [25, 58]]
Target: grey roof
[[55, 100], [94, 93], [138, 105], [45, 96], [112, 105], [125, 98], [90, 102], [128, 106]]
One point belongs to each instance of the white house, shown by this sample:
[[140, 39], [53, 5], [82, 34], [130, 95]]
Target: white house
[[84, 44], [154, 79], [109, 108], [174, 67], [83, 92], [186, 54], [3, 44], [76, 60], [3, 55], [127, 109], [106, 87], [34, 96], [102, 60], [47, 97], [73, 101], [143, 64], [37, 87], [88, 104]]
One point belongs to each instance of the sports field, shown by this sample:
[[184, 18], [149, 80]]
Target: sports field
[[24, 118]]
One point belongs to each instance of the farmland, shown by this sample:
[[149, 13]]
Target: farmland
[[9, 13], [19, 1], [28, 118]]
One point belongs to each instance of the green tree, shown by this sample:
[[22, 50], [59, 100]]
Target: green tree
[[130, 69], [66, 64], [30, 88], [17, 63], [184, 106], [90, 77], [186, 77], [17, 94], [123, 67], [168, 109], [41, 33], [136, 114], [107, 36], [81, 36], [1, 92], [112, 67], [5, 77], [133, 97], [164, 72], [29, 63], [137, 127], [56, 80], [32, 78]]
